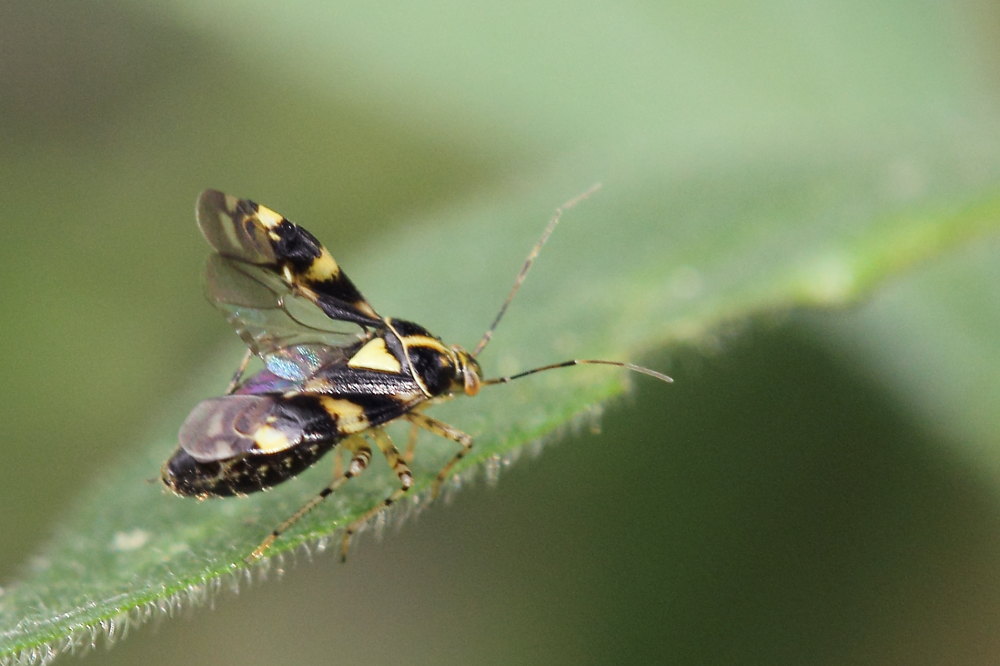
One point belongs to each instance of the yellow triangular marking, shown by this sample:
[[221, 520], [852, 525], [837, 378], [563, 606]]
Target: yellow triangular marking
[[375, 356]]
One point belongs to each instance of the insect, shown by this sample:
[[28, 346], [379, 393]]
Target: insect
[[335, 371]]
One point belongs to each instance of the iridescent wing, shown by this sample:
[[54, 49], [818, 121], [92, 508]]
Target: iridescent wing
[[276, 284]]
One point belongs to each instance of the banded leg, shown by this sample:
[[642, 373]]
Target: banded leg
[[442, 430], [403, 473], [362, 455], [234, 383]]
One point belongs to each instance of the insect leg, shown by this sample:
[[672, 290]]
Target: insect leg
[[402, 470], [362, 455], [338, 465], [442, 430], [234, 383], [411, 443]]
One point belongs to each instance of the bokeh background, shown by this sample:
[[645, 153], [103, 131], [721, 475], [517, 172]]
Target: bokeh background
[[817, 488]]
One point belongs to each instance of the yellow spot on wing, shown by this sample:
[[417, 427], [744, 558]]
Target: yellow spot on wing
[[269, 439], [375, 356], [350, 417], [364, 308], [268, 217], [324, 267]]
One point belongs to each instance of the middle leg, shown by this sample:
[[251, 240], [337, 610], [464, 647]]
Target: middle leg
[[402, 470]]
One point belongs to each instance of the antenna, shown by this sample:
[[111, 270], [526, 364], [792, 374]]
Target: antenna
[[488, 335], [566, 364], [530, 260]]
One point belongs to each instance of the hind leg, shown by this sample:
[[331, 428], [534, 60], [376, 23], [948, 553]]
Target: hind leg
[[361, 456]]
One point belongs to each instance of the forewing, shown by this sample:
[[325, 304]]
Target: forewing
[[236, 426], [281, 256], [341, 380], [227, 427]]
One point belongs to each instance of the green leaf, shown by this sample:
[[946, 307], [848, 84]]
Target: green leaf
[[127, 549], [833, 177]]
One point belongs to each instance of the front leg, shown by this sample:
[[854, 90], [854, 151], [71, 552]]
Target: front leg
[[442, 430]]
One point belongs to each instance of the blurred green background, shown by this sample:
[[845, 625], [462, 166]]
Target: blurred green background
[[816, 488]]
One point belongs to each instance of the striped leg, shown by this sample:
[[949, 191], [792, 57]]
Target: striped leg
[[442, 430], [362, 455], [402, 471]]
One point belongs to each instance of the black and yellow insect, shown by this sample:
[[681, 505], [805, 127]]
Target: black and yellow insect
[[335, 371]]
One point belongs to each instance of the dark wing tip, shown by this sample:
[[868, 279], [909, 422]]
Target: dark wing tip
[[209, 203], [230, 226]]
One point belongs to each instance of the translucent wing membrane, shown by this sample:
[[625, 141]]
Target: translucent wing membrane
[[300, 362], [265, 312], [226, 427], [229, 226]]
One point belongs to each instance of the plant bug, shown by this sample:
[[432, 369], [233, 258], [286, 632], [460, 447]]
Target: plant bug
[[320, 386]]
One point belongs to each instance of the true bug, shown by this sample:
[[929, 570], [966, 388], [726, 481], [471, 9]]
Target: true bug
[[281, 290]]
